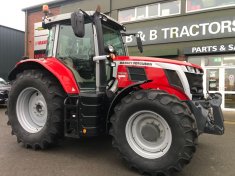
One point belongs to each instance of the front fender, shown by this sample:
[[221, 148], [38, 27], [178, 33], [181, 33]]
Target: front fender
[[122, 94], [52, 65]]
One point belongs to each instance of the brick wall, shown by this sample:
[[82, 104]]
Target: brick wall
[[34, 17]]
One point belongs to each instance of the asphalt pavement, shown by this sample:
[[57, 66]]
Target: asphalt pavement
[[215, 156]]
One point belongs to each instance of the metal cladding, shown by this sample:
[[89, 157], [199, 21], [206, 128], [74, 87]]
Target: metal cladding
[[11, 49]]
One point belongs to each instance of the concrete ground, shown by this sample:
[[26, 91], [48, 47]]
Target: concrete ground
[[229, 116], [95, 157]]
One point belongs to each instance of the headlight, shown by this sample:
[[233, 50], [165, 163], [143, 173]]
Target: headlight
[[190, 69]]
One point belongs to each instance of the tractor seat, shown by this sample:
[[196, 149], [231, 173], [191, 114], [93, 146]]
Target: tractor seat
[[69, 63]]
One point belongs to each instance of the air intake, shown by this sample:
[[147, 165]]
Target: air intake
[[137, 74]]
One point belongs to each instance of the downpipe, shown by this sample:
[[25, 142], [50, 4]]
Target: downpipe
[[208, 114]]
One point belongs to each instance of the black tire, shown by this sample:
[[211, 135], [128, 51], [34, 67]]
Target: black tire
[[179, 119], [54, 96]]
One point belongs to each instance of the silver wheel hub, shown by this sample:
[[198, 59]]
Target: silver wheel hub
[[148, 134], [31, 109]]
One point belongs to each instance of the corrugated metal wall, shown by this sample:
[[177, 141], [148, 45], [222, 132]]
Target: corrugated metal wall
[[11, 49]]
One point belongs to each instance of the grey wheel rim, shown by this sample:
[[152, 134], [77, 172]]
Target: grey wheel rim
[[148, 134], [31, 110]]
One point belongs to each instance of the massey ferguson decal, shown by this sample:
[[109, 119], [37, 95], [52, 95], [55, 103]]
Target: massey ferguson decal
[[136, 63]]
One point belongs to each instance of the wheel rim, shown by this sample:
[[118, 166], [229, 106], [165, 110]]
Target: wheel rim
[[31, 109], [148, 134]]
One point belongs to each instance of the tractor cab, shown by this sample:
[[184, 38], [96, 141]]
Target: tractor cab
[[86, 42], [80, 39]]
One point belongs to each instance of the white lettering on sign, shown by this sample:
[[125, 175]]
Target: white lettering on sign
[[153, 35], [129, 39], [204, 26], [184, 31], [214, 28], [233, 24], [142, 35], [203, 30], [231, 47], [193, 30], [226, 25], [174, 32], [165, 32], [204, 49], [211, 49]]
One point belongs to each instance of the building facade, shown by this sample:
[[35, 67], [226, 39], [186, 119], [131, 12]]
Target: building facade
[[11, 49], [199, 31]]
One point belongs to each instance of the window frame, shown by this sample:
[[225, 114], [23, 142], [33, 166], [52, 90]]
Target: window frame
[[59, 36], [180, 4], [206, 9], [50, 53], [119, 36], [58, 39], [158, 10], [147, 12]]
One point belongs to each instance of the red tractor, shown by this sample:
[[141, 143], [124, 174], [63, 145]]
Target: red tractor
[[87, 86]]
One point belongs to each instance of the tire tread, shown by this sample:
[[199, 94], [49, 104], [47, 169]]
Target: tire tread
[[179, 109], [57, 96]]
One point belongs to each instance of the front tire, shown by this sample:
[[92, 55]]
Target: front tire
[[154, 132], [35, 109]]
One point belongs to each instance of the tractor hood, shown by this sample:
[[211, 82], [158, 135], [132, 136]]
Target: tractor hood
[[157, 61]]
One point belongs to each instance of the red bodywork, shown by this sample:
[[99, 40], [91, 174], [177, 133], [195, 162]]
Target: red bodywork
[[59, 70], [157, 75]]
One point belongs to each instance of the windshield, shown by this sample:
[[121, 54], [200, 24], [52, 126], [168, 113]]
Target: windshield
[[70, 46], [113, 37]]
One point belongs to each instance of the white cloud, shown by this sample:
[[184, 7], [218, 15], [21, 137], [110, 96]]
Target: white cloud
[[12, 15]]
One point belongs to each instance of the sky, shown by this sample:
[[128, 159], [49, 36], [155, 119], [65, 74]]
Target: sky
[[11, 14]]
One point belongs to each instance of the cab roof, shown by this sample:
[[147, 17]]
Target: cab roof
[[67, 16]]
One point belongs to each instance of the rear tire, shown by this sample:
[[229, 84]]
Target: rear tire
[[154, 132], [35, 109]]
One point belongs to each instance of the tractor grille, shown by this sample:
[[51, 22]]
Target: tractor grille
[[195, 82], [137, 74]]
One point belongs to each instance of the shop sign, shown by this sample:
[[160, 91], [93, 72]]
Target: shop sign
[[184, 31], [223, 48], [40, 40], [40, 43]]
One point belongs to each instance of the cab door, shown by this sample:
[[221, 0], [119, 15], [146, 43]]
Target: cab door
[[77, 54]]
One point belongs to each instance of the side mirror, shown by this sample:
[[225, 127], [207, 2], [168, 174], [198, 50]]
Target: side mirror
[[78, 23], [139, 43]]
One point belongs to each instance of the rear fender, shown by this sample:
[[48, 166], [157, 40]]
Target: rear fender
[[53, 66]]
